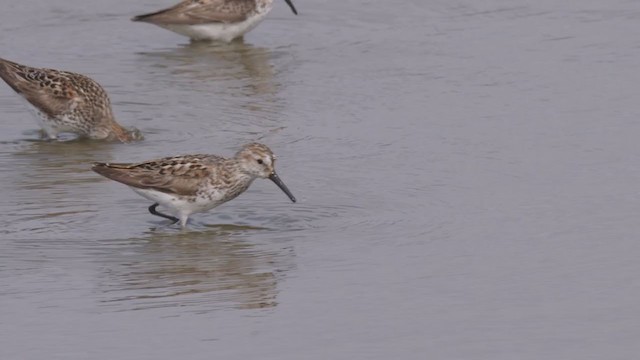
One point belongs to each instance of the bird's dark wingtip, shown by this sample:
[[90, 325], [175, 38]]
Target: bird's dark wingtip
[[148, 17], [97, 166]]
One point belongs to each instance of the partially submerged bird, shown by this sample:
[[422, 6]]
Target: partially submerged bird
[[222, 20], [66, 102], [191, 184]]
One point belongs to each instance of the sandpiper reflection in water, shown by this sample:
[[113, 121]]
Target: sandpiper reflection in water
[[202, 271]]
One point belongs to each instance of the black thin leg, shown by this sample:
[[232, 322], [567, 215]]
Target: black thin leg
[[152, 209]]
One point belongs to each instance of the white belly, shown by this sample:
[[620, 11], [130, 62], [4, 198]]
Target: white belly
[[52, 127], [179, 205], [217, 31]]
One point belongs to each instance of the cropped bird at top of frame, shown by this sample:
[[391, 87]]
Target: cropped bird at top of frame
[[222, 20]]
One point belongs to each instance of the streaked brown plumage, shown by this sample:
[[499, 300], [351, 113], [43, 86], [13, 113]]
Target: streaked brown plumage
[[195, 183], [66, 102], [201, 12], [212, 19]]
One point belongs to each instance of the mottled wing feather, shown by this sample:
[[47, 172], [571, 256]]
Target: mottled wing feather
[[201, 12], [48, 90], [179, 175]]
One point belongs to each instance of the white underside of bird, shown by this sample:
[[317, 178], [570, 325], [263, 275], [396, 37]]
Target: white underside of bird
[[217, 30], [179, 206]]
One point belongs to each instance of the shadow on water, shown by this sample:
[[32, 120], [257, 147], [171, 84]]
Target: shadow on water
[[206, 270], [237, 70], [50, 163], [222, 228], [238, 86], [210, 61], [48, 185]]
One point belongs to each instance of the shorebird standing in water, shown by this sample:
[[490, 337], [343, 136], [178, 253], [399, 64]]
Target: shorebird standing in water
[[212, 19], [191, 184], [66, 102]]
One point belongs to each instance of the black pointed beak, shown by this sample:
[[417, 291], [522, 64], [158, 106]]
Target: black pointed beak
[[276, 179], [293, 8]]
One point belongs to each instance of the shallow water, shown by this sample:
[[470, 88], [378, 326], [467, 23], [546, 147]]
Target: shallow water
[[467, 177]]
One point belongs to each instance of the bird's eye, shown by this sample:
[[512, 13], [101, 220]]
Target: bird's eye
[[260, 161]]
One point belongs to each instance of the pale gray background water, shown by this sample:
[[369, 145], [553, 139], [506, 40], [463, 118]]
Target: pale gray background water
[[468, 176]]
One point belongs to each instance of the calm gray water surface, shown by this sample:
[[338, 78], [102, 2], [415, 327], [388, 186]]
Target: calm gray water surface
[[467, 175]]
